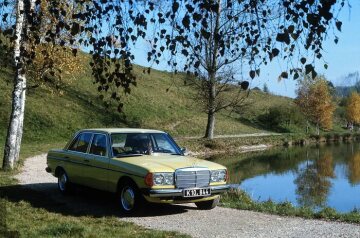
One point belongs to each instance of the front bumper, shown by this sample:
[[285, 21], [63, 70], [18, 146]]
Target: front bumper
[[179, 192]]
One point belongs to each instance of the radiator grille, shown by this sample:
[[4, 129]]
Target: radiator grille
[[192, 178]]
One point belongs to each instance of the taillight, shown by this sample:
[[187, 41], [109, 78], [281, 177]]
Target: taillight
[[149, 181]]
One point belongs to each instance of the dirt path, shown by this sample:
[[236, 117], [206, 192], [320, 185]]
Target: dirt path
[[219, 222], [259, 134]]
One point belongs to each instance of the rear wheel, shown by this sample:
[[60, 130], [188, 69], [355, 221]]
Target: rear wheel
[[63, 182], [207, 205], [129, 197]]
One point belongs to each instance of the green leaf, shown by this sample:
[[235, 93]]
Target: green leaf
[[252, 74], [308, 68], [338, 25], [244, 85], [284, 75]]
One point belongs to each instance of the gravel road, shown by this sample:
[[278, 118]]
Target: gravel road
[[219, 222]]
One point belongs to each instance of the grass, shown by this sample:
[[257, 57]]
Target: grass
[[23, 220], [238, 199], [27, 213]]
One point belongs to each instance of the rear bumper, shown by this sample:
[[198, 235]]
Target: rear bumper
[[179, 192]]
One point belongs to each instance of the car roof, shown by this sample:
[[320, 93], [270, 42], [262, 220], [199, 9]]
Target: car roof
[[123, 130]]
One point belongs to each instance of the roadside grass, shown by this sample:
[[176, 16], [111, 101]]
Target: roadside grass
[[20, 218], [233, 144], [238, 199], [26, 221]]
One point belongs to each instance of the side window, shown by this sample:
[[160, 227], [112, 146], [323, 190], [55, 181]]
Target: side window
[[162, 144], [98, 145], [118, 143], [81, 143]]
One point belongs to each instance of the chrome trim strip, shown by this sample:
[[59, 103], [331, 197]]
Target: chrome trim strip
[[179, 192], [165, 193], [88, 165]]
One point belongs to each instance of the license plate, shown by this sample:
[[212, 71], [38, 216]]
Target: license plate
[[196, 192]]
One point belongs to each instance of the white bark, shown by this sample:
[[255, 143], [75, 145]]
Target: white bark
[[10, 151], [21, 122], [23, 100]]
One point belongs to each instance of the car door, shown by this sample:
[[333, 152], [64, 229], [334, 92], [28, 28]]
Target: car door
[[77, 158], [97, 176]]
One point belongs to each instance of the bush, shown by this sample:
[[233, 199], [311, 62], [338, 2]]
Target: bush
[[282, 119]]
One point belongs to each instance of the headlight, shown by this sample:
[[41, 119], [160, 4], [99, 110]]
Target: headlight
[[163, 178], [218, 175]]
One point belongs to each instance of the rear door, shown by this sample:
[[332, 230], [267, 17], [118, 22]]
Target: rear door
[[78, 158], [99, 156]]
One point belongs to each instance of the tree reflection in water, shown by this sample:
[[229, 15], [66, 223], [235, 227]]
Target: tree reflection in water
[[313, 176], [313, 181], [354, 169]]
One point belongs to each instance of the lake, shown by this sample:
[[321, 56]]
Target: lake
[[313, 176]]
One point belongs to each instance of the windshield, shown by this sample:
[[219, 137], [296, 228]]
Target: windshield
[[129, 144]]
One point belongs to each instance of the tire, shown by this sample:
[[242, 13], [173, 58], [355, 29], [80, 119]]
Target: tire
[[129, 198], [64, 184], [208, 205]]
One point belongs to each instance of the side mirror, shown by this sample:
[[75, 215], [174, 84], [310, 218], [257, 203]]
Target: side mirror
[[184, 151]]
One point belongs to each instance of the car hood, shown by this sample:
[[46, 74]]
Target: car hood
[[167, 163]]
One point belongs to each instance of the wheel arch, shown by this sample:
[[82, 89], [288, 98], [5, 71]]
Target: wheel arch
[[58, 170], [125, 179]]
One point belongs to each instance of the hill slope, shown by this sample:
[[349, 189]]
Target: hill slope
[[53, 117]]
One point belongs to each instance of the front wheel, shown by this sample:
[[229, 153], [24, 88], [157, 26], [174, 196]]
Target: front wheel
[[207, 205], [129, 198]]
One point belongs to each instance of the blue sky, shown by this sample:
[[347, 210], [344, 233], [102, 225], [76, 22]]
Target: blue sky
[[342, 58]]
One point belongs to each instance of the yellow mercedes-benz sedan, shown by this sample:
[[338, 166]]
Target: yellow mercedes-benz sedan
[[137, 164]]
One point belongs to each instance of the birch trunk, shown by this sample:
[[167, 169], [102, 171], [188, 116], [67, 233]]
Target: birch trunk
[[209, 134], [10, 151], [210, 126], [23, 96], [21, 122], [211, 107]]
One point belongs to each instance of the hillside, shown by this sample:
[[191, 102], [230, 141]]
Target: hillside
[[53, 116]]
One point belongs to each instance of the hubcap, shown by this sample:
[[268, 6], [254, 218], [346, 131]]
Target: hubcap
[[62, 182], [127, 198]]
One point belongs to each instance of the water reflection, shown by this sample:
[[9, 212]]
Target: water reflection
[[354, 169], [313, 176]]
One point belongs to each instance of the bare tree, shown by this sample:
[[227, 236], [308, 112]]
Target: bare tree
[[206, 37]]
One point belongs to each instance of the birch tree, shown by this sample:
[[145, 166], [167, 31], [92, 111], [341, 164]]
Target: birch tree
[[18, 105], [106, 27], [212, 38]]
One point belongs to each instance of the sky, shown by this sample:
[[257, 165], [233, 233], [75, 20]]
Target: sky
[[342, 58]]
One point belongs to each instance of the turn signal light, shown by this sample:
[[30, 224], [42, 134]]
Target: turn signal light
[[149, 181]]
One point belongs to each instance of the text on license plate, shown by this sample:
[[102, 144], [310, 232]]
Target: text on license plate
[[196, 192]]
